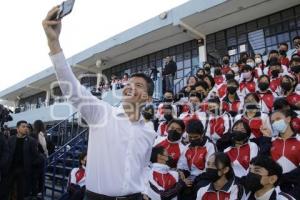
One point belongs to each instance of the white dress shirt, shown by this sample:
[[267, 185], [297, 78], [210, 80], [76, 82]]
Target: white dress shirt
[[118, 149]]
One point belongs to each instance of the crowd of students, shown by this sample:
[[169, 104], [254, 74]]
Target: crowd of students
[[231, 133]]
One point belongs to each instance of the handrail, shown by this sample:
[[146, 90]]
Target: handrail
[[65, 145], [59, 123], [184, 76]]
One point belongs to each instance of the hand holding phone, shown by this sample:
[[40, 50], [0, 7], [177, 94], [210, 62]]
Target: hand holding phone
[[64, 9]]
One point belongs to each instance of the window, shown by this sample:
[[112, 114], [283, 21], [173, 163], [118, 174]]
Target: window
[[179, 73]]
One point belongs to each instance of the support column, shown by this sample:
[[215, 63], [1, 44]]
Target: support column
[[47, 100], [202, 53]]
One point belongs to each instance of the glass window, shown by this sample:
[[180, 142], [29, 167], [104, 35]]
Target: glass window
[[210, 38], [271, 40], [165, 53], [172, 51], [232, 52], [187, 71], [195, 61], [187, 46], [231, 32], [179, 73], [187, 59], [241, 28], [257, 39], [159, 55], [275, 18], [242, 38], [243, 48], [251, 26], [262, 51], [271, 48], [231, 41], [286, 14], [297, 10], [263, 22], [179, 48], [210, 47], [220, 35], [221, 44], [284, 37], [292, 24]]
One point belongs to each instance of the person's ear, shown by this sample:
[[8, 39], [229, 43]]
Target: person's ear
[[273, 179]]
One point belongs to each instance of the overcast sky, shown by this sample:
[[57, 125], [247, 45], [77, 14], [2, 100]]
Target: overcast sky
[[23, 45]]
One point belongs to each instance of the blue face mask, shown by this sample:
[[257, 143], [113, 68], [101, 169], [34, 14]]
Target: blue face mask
[[279, 126]]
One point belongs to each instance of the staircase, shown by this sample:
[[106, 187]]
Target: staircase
[[70, 140]]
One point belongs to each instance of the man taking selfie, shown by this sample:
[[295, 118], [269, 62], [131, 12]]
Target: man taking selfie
[[119, 142]]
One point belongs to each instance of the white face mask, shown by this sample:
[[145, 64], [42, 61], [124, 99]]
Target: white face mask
[[279, 126], [235, 69], [246, 75], [251, 64], [257, 60]]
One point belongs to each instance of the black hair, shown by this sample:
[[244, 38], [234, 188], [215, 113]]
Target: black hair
[[81, 157], [158, 150], [247, 68], [233, 81], [264, 76], [195, 126], [169, 91], [284, 44], [202, 84], [223, 160], [269, 164], [187, 80], [273, 51], [286, 113], [38, 126], [211, 80], [296, 38], [195, 94], [254, 95], [150, 84], [280, 104], [245, 125], [21, 122], [214, 100], [179, 122]]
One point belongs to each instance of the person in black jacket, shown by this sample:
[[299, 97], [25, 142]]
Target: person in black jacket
[[169, 74], [23, 157], [3, 161]]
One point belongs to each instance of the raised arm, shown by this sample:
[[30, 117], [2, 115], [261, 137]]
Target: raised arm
[[91, 108]]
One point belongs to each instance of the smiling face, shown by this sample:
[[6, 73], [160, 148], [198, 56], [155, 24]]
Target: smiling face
[[136, 91]]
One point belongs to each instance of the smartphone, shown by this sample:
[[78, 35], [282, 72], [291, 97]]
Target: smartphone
[[65, 8]]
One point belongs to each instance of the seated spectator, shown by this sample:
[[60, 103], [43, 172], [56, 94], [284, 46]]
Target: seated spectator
[[247, 82], [283, 49], [272, 60], [295, 69], [199, 149], [242, 150], [206, 67], [211, 85], [222, 183], [284, 149], [167, 99], [231, 102], [218, 123], [162, 182], [76, 186], [185, 91], [148, 114], [235, 68], [173, 141], [259, 65], [226, 64], [200, 74], [165, 119], [218, 76], [253, 116], [296, 49], [265, 94], [124, 80], [287, 88], [263, 178]]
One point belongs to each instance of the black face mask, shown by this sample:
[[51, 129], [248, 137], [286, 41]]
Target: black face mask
[[199, 76], [263, 86], [173, 136], [218, 72], [239, 136], [252, 107], [197, 142], [275, 73], [168, 117], [212, 174], [147, 115], [296, 69], [167, 100], [207, 69], [229, 76], [252, 182], [282, 52], [171, 162], [231, 89], [286, 86], [214, 111], [226, 62]]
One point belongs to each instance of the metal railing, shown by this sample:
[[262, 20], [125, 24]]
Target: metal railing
[[181, 83], [60, 163]]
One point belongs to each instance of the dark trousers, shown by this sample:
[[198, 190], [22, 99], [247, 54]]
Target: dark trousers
[[94, 196], [16, 185]]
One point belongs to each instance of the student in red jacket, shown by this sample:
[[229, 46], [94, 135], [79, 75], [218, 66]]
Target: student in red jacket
[[284, 149], [231, 102], [242, 150], [173, 141], [222, 182], [266, 96]]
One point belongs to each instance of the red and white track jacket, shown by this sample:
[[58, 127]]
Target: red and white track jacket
[[241, 156]]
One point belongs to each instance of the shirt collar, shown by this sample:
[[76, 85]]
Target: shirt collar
[[226, 188], [120, 112]]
